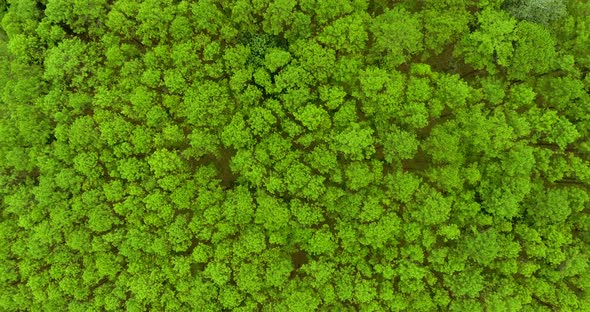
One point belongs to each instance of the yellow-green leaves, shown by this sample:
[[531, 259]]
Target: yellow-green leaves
[[324, 11], [398, 35], [284, 155], [276, 58], [278, 16], [235, 134], [66, 61], [431, 207], [347, 34], [219, 273], [355, 142], [322, 242], [315, 59], [163, 162], [206, 16], [443, 27], [358, 175], [534, 52], [207, 104], [492, 44], [333, 96], [313, 117]]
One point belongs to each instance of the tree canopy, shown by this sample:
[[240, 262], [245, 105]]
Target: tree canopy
[[294, 155]]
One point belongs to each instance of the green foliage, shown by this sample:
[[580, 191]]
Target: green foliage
[[347, 34], [444, 25], [398, 36], [355, 142], [491, 45], [534, 43], [282, 155]]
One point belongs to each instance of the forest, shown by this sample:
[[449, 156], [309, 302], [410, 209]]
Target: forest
[[295, 155]]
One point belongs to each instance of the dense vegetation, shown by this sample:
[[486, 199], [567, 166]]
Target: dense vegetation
[[294, 155]]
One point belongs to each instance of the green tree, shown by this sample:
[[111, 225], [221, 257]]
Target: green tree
[[491, 45], [398, 36], [355, 142], [347, 34]]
